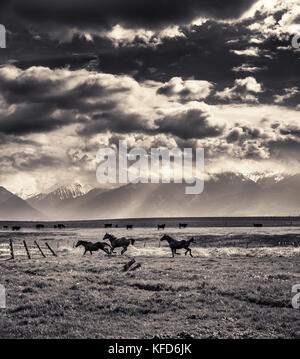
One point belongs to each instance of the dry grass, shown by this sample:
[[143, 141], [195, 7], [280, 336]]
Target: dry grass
[[222, 296]]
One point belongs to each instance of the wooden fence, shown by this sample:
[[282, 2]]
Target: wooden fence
[[23, 249]]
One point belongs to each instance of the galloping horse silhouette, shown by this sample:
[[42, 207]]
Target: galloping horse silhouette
[[174, 245], [118, 242], [92, 247]]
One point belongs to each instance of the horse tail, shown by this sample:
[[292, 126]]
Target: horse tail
[[132, 241]]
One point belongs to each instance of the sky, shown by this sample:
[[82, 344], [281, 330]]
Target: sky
[[80, 75]]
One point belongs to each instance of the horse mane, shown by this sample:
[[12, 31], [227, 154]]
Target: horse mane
[[111, 235]]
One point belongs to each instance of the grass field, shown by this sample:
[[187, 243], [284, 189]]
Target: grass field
[[220, 293]]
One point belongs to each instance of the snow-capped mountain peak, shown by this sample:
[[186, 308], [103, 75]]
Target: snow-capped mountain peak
[[66, 192], [69, 191]]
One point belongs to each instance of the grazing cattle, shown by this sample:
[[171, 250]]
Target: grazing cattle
[[92, 247], [161, 226], [39, 226], [60, 225], [174, 245], [16, 228], [118, 242], [182, 225], [129, 226], [108, 225]]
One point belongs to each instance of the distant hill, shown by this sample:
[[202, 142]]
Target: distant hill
[[14, 208]]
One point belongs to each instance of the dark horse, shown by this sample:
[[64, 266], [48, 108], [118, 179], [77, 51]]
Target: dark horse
[[118, 242], [161, 226], [174, 245], [92, 247]]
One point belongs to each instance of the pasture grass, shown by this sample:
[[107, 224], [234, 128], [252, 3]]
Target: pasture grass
[[71, 296]]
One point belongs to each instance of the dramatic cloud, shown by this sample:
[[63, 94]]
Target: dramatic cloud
[[193, 121], [243, 89], [287, 94], [188, 90], [40, 100], [246, 68], [251, 51], [132, 13]]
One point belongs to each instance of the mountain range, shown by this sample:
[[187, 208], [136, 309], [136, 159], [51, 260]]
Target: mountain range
[[226, 194]]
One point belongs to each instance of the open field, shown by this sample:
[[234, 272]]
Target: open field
[[225, 291]]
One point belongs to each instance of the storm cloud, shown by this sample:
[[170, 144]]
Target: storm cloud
[[132, 13]]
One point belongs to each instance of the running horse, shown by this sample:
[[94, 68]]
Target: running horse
[[92, 247], [118, 242], [174, 244]]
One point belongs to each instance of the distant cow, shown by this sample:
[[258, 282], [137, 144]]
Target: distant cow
[[15, 228], [129, 226], [161, 226], [39, 226], [182, 225], [61, 225], [108, 225]]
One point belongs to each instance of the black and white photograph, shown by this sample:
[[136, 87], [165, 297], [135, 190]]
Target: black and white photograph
[[150, 172]]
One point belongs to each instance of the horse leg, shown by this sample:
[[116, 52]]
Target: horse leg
[[124, 250], [91, 252], [84, 252], [190, 252], [105, 250], [173, 252], [112, 250]]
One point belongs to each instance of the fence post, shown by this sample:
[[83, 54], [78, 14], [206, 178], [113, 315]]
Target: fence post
[[11, 249], [27, 251], [138, 265], [128, 265], [40, 249], [51, 250]]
